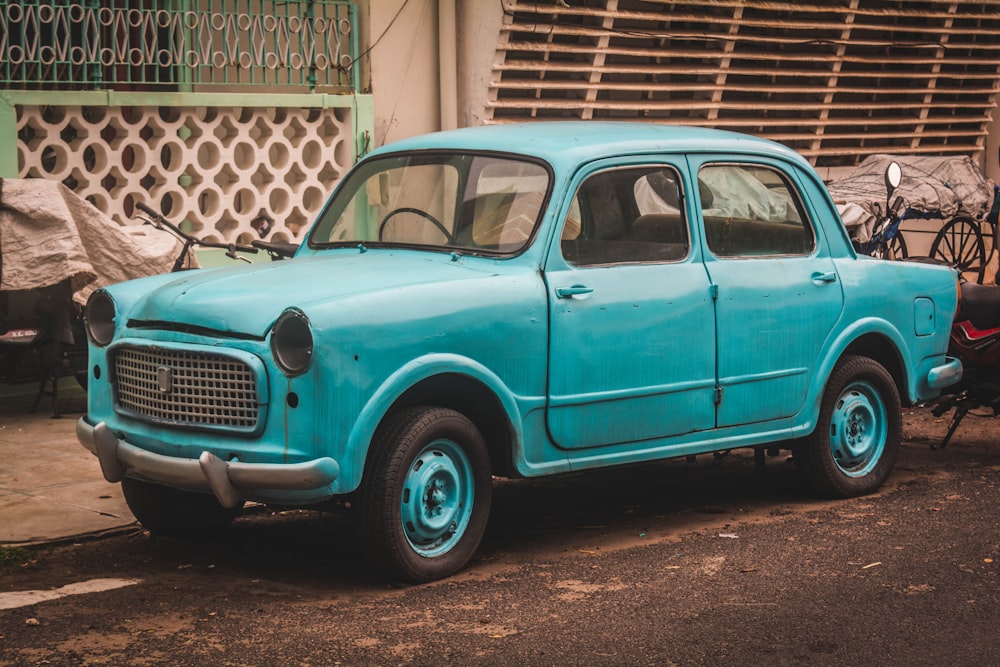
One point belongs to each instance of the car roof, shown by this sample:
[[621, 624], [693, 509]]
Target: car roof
[[574, 142]]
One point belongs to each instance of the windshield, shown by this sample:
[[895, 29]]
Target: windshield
[[475, 203]]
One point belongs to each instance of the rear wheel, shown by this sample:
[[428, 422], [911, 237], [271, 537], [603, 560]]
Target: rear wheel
[[854, 445], [427, 494], [170, 512]]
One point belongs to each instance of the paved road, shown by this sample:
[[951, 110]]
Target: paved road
[[676, 563]]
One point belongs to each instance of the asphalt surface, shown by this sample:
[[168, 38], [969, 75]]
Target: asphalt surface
[[708, 563]]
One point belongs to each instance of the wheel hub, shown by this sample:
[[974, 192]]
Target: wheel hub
[[435, 497], [858, 430], [438, 495]]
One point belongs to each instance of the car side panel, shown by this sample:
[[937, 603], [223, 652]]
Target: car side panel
[[635, 358], [774, 319]]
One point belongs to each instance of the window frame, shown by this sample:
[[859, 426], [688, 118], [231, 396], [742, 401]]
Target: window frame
[[429, 154], [646, 167], [806, 222]]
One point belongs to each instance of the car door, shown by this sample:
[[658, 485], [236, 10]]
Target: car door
[[632, 331], [778, 292]]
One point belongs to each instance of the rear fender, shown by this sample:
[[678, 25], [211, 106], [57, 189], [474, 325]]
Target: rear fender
[[878, 339]]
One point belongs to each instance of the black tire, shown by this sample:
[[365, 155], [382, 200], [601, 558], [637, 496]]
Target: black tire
[[170, 512], [856, 440], [897, 247], [426, 495]]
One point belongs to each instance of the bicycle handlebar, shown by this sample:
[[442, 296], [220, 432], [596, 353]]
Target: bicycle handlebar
[[159, 220]]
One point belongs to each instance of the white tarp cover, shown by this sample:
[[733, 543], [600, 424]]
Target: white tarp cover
[[48, 234], [940, 187], [737, 193]]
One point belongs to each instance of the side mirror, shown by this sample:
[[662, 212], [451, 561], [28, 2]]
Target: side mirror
[[893, 177]]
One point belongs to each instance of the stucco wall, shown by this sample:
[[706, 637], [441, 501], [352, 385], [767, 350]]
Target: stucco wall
[[402, 67]]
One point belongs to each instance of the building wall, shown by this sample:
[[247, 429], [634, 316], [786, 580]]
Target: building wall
[[991, 160], [580, 53], [233, 117], [402, 66], [405, 57]]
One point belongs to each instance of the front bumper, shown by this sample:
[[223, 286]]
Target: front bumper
[[228, 480]]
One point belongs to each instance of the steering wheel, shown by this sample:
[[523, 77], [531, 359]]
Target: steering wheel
[[424, 214]]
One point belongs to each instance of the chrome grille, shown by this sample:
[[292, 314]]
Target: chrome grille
[[184, 387]]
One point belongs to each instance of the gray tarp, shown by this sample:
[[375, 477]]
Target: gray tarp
[[936, 187], [48, 234]]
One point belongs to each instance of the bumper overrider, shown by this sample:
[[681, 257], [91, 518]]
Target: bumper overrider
[[946, 374], [227, 480]]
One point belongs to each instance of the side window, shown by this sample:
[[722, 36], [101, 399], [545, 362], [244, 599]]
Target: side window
[[624, 216], [752, 210]]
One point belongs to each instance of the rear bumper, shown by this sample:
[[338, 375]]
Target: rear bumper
[[229, 481], [945, 375]]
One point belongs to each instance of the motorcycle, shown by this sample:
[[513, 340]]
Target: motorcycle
[[886, 241], [975, 340]]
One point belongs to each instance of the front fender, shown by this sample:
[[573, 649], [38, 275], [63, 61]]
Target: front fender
[[417, 370]]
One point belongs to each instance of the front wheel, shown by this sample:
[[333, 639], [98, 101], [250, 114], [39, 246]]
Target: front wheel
[[854, 445], [170, 512], [427, 494]]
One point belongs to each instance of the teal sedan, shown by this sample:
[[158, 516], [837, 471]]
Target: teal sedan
[[517, 300]]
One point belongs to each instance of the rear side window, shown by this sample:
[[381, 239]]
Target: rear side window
[[626, 216], [752, 210]]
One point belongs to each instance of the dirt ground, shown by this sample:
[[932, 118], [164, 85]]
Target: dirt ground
[[677, 563]]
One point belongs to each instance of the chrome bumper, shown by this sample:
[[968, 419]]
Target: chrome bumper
[[945, 375], [225, 479]]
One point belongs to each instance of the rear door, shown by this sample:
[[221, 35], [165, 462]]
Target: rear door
[[779, 295]]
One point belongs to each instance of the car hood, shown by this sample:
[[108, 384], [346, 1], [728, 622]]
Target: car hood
[[246, 300]]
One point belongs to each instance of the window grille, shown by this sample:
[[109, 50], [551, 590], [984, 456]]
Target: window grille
[[164, 45]]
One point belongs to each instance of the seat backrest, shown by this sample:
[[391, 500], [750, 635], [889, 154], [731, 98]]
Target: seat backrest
[[737, 237], [658, 228]]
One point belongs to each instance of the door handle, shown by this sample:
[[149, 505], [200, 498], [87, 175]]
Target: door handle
[[575, 290], [821, 278]]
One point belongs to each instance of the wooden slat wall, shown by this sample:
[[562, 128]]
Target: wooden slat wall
[[834, 79]]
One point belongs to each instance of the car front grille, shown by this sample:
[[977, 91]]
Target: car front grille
[[186, 388]]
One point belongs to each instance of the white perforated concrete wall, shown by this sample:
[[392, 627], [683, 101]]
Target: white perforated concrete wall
[[233, 174]]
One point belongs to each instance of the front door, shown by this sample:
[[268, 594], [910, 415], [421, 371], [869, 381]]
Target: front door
[[632, 329]]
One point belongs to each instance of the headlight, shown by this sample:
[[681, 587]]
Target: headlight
[[292, 342], [99, 318]]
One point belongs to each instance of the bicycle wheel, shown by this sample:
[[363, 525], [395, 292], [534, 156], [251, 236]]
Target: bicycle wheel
[[896, 248], [960, 243]]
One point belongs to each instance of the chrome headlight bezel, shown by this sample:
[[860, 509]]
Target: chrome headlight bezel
[[292, 343], [99, 318]]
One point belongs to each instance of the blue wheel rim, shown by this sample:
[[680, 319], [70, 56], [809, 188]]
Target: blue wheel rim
[[438, 496], [858, 430]]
